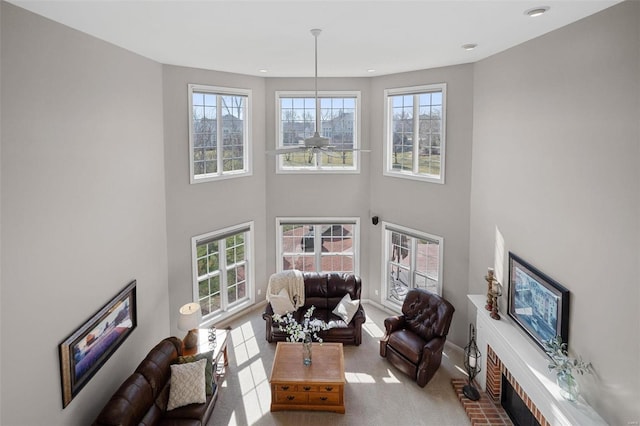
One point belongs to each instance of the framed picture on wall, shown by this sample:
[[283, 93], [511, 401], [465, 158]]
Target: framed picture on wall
[[90, 346], [537, 303]]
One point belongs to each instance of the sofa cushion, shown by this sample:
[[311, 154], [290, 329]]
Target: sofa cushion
[[208, 370], [187, 384], [346, 308], [129, 404]]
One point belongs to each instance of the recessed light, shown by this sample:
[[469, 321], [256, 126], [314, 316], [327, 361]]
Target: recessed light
[[262, 70], [371, 70], [469, 46], [536, 11]]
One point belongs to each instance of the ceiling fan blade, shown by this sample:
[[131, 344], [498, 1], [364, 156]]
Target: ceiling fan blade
[[287, 150]]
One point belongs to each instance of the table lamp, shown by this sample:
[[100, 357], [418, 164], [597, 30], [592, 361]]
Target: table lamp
[[189, 319]]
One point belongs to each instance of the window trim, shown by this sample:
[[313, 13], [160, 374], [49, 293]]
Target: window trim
[[355, 221], [384, 285], [321, 94], [387, 170], [247, 145], [238, 306]]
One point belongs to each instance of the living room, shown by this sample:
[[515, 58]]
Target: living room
[[542, 151]]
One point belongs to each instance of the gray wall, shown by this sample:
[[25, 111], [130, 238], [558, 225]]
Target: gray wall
[[94, 149], [83, 209], [343, 195], [204, 207], [556, 180], [438, 209]]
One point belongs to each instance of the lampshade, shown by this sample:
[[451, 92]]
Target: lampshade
[[190, 316]]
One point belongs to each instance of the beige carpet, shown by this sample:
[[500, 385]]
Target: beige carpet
[[375, 394]]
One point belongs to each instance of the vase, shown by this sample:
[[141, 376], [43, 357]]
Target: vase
[[568, 386], [306, 350]]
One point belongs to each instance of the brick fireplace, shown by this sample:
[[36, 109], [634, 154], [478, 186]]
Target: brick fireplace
[[496, 373], [507, 351]]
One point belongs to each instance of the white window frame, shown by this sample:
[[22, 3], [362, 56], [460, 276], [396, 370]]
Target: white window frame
[[280, 168], [355, 221], [388, 132], [247, 137], [386, 255], [226, 309]]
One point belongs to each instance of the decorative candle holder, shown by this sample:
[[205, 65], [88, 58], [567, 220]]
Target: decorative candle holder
[[472, 365], [496, 290], [490, 278]]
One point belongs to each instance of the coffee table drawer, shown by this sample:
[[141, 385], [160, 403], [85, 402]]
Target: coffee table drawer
[[285, 388], [320, 398], [292, 398]]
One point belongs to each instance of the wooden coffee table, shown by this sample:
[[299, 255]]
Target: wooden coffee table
[[319, 386]]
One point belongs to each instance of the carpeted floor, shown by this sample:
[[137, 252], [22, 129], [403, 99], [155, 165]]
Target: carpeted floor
[[375, 394]]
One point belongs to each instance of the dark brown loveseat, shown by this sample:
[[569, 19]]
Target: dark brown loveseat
[[324, 291], [142, 398]]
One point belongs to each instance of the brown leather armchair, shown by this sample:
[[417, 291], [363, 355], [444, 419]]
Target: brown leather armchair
[[413, 341]]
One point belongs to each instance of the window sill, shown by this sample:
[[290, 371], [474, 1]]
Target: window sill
[[422, 178]]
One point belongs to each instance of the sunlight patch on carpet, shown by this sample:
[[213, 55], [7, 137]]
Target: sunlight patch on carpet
[[359, 378], [391, 379]]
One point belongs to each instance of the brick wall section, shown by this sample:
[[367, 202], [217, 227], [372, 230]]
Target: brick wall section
[[494, 375], [495, 370]]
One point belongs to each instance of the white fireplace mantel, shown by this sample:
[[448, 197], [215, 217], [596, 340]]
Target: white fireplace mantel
[[528, 364]]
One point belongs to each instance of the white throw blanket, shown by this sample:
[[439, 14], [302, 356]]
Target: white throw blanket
[[292, 281]]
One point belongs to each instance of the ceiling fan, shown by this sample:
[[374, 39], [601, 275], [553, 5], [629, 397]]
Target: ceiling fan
[[315, 143]]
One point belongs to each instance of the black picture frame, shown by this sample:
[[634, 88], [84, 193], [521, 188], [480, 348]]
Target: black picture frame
[[86, 350], [537, 303]]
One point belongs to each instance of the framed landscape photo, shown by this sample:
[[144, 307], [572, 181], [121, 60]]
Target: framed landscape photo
[[90, 346], [537, 303]]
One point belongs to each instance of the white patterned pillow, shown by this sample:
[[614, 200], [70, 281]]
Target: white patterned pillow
[[347, 308], [187, 384]]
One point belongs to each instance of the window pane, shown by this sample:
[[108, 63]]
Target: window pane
[[402, 125], [214, 115], [334, 253], [222, 267], [337, 123], [413, 263], [416, 126]]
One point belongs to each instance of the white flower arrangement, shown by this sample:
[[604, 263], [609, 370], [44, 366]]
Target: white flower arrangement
[[296, 331], [560, 361]]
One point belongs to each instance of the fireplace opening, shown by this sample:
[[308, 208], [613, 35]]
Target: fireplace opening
[[515, 407]]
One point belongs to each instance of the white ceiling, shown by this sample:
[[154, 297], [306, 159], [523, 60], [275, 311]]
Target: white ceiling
[[247, 36]]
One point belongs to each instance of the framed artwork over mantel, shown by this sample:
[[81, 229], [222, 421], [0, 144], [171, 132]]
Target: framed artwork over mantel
[[90, 346], [537, 303]]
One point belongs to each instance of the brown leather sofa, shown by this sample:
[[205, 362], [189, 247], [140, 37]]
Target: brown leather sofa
[[413, 341], [142, 398], [324, 291]]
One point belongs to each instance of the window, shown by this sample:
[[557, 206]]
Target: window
[[415, 132], [223, 271], [318, 245], [218, 132], [413, 259], [339, 121]]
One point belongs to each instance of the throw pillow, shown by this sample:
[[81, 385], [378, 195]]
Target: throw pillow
[[208, 370], [281, 303], [347, 308], [187, 384]]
